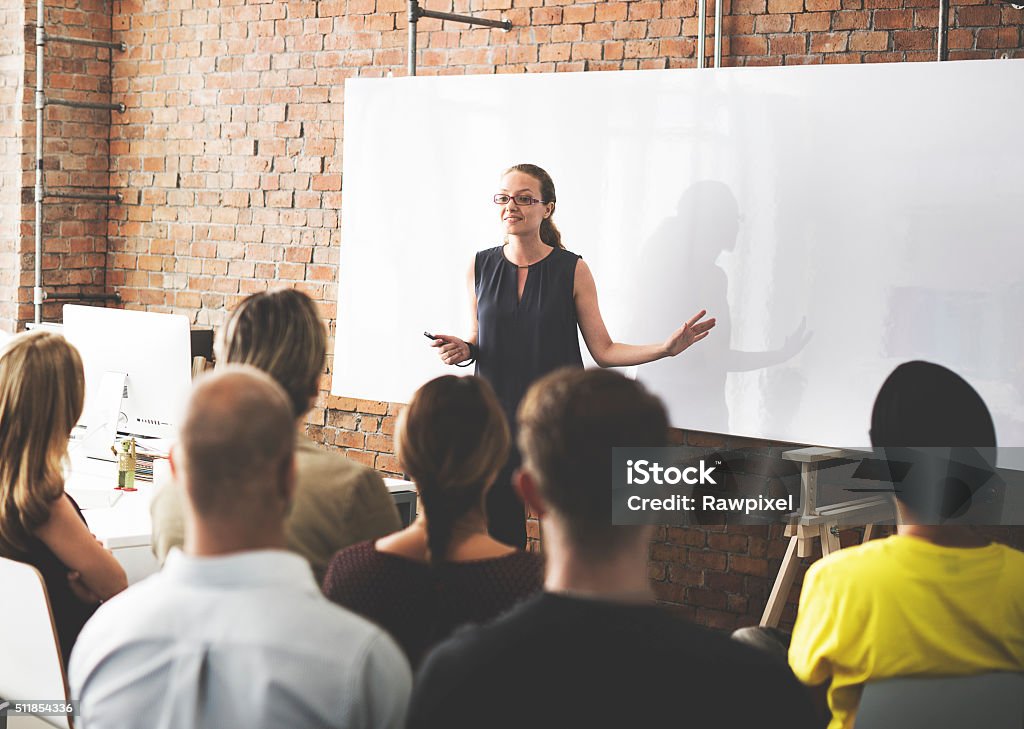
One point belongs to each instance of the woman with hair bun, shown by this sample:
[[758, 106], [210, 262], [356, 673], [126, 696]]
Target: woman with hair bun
[[443, 570], [528, 297]]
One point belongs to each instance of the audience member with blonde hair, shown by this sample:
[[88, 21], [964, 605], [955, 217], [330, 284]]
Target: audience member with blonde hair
[[337, 501], [42, 389], [444, 570], [234, 632]]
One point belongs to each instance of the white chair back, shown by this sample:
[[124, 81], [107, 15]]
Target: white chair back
[[991, 700], [31, 667]]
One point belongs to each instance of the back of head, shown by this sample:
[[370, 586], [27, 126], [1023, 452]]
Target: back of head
[[42, 390], [452, 440], [569, 422], [279, 332], [922, 405], [236, 446]]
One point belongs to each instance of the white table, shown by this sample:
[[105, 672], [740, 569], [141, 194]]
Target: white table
[[125, 526]]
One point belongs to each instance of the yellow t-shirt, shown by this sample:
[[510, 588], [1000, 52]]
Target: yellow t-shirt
[[903, 606]]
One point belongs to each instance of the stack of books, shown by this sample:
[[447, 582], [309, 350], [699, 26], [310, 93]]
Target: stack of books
[[147, 453]]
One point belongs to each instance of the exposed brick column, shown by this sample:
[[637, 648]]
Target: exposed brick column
[[12, 75]]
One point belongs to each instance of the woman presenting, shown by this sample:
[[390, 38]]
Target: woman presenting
[[528, 296]]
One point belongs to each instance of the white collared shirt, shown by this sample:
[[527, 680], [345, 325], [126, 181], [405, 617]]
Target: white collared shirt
[[246, 640]]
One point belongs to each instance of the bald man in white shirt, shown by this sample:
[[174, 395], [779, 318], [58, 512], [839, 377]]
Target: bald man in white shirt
[[234, 631]]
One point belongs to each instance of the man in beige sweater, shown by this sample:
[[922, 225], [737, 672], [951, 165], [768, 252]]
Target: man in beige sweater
[[337, 502]]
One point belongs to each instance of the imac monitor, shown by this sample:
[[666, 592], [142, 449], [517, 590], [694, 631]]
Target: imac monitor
[[146, 356]]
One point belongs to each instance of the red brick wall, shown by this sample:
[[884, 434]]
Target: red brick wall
[[229, 158], [720, 576]]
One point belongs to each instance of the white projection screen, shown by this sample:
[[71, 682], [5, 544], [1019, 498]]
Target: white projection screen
[[837, 220]]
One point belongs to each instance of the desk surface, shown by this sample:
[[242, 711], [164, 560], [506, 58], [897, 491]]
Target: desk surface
[[398, 485], [126, 522]]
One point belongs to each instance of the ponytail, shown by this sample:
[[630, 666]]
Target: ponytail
[[549, 234], [443, 510]]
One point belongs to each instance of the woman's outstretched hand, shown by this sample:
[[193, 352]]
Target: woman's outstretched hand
[[452, 350], [692, 331]]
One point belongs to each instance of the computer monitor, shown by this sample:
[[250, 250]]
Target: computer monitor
[[149, 358]]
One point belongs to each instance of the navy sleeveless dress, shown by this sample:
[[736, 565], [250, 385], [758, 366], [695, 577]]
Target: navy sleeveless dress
[[521, 341]]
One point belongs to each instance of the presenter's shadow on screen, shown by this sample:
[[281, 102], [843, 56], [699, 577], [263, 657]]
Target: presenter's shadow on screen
[[678, 271]]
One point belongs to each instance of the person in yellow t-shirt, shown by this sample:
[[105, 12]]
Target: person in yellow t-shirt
[[930, 601]]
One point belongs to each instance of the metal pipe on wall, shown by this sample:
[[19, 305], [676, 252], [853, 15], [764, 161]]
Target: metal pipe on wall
[[103, 197], [40, 194], [122, 46], [115, 297], [85, 105], [702, 14], [416, 12], [718, 33], [943, 53], [467, 19], [37, 289]]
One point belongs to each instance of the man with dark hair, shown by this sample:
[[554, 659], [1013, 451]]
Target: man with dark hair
[[935, 599], [593, 649], [234, 632]]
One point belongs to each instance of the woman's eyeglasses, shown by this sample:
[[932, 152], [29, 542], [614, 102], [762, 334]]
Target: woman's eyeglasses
[[523, 200]]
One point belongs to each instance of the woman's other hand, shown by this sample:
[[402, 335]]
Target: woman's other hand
[[692, 331]]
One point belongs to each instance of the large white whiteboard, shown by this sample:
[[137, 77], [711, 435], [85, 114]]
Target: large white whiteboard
[[838, 220]]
